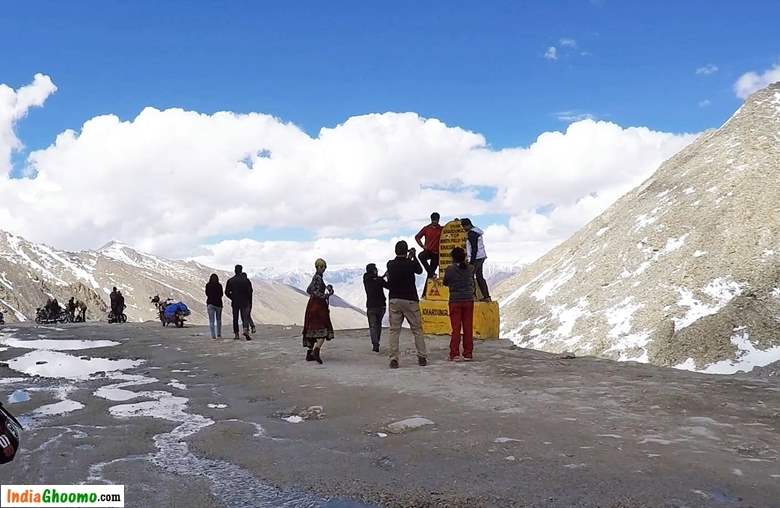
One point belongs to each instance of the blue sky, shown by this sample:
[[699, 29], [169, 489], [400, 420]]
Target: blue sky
[[508, 70], [478, 65]]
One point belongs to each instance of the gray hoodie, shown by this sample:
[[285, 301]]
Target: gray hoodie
[[461, 283]]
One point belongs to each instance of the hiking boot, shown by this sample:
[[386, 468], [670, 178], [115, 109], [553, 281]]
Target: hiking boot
[[316, 355], [247, 336], [393, 364], [422, 361], [375, 349], [236, 337], [254, 330], [309, 355]]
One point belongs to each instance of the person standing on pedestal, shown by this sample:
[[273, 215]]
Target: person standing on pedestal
[[429, 257], [475, 252]]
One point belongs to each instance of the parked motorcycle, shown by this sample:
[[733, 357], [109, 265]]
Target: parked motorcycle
[[121, 318], [171, 312], [44, 316]]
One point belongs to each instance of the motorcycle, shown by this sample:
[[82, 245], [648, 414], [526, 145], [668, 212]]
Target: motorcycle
[[44, 316], [121, 318], [174, 313]]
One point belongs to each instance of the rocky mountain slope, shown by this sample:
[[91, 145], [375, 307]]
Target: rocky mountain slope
[[30, 273], [682, 271]]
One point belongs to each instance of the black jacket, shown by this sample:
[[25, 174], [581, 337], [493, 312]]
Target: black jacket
[[239, 289], [375, 291], [214, 294], [401, 278]]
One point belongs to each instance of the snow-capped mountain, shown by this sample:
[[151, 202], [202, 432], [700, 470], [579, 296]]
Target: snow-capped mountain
[[682, 271], [30, 273]]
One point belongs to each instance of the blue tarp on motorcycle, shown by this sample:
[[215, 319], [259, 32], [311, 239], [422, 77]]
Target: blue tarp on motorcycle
[[173, 308]]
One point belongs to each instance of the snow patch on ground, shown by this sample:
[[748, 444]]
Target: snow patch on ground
[[720, 291], [56, 345], [553, 285], [747, 356], [602, 231], [62, 365], [699, 253]]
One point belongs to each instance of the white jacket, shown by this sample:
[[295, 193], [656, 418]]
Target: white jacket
[[480, 254]]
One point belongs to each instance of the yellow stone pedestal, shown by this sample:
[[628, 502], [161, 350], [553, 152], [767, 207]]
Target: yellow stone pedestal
[[435, 312]]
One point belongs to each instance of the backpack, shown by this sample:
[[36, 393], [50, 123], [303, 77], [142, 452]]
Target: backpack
[[10, 429]]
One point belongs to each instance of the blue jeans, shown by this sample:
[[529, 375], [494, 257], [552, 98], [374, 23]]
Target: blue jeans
[[375, 316], [215, 320]]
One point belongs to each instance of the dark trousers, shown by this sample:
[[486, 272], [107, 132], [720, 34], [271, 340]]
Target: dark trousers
[[481, 282], [375, 316], [426, 256], [243, 311], [462, 317]]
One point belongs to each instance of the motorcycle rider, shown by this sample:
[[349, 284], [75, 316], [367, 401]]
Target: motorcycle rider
[[71, 308], [113, 297], [55, 309]]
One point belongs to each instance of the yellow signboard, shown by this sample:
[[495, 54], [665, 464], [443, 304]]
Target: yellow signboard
[[452, 235]]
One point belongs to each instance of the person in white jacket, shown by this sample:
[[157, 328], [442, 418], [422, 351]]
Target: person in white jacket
[[475, 252]]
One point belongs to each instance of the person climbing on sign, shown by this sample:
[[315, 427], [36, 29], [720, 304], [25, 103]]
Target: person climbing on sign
[[429, 257], [475, 252], [459, 278]]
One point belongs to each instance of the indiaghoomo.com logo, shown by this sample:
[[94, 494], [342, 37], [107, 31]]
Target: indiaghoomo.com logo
[[28, 496]]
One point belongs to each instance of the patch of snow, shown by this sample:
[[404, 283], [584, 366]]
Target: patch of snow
[[293, 419], [619, 317], [747, 356], [217, 406], [643, 221], [176, 384], [721, 291], [602, 231], [689, 190], [62, 365], [19, 316], [568, 317], [699, 253], [56, 345], [551, 286]]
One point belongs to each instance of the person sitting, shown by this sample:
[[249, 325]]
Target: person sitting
[[475, 252], [429, 257]]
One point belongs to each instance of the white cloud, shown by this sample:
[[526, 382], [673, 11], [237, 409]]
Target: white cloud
[[706, 70], [567, 43], [705, 103], [14, 105], [551, 53], [752, 81], [574, 116], [171, 181]]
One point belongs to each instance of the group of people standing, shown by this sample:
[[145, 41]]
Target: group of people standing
[[402, 301], [239, 290]]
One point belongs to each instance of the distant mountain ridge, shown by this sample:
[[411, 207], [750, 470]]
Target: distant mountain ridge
[[32, 272]]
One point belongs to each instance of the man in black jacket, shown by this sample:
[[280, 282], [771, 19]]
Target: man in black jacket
[[404, 302], [239, 289], [375, 303]]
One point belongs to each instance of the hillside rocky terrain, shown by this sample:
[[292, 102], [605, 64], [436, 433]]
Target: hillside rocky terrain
[[682, 271]]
